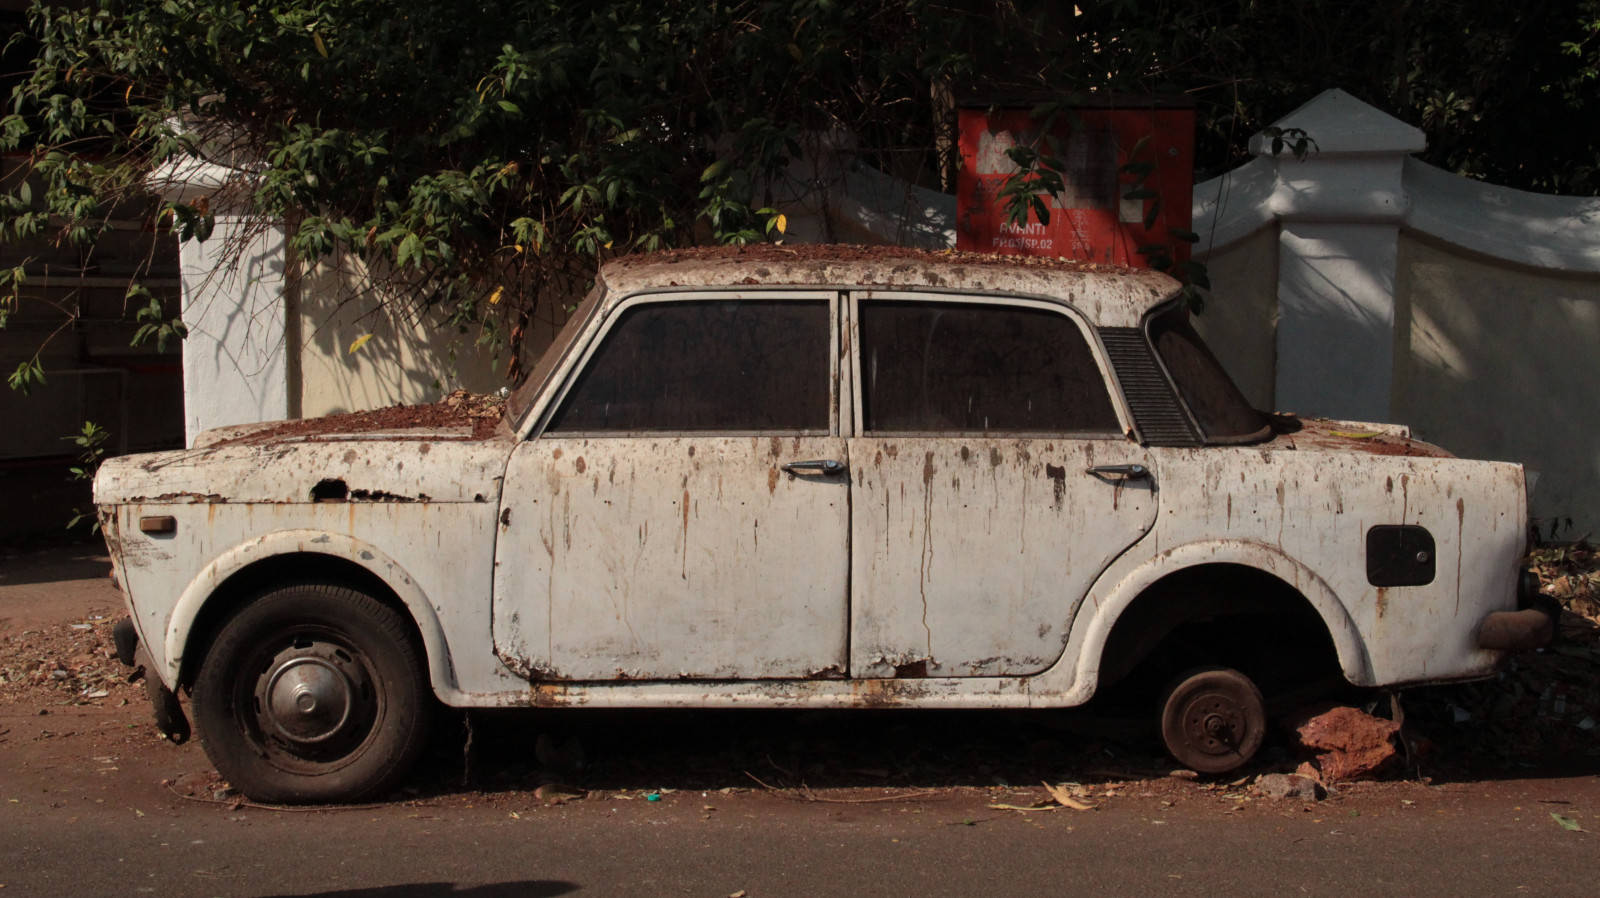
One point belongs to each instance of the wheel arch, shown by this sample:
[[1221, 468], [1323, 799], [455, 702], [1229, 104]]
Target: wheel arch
[[233, 577], [1110, 601]]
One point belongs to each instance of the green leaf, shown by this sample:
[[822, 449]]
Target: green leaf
[[1567, 823], [713, 170], [410, 250]]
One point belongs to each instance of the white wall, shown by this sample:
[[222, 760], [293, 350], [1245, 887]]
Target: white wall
[[1400, 292]]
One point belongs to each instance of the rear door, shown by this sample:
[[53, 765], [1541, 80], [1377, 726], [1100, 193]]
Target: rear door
[[986, 494], [655, 528]]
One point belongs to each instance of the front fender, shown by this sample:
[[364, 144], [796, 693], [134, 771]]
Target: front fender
[[180, 627], [1125, 581]]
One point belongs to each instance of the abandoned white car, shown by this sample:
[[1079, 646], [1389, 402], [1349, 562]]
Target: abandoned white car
[[811, 477]]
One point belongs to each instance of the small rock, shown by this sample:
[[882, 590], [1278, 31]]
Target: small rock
[[1184, 775], [1289, 786], [223, 794]]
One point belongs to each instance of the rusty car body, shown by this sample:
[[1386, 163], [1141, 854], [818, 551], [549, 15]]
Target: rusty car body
[[811, 477]]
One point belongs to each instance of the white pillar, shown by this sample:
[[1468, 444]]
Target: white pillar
[[234, 359], [1339, 212]]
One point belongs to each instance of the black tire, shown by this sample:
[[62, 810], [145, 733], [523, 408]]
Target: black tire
[[1213, 719], [313, 693]]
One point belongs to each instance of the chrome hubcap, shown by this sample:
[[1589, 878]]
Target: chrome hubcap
[[309, 694]]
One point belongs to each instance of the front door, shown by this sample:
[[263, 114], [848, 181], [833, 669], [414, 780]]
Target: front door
[[985, 495], [667, 524]]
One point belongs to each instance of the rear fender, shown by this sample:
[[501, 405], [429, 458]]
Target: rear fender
[[1118, 589]]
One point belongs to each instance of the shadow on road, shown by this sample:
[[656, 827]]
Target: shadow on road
[[907, 749], [87, 561], [712, 750], [530, 889]]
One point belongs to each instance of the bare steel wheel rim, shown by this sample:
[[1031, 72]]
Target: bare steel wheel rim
[[314, 703], [1214, 724]]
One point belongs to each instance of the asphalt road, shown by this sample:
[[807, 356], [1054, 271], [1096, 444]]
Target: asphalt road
[[1465, 841]]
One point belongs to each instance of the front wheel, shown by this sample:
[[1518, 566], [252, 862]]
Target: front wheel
[[1213, 719], [313, 693]]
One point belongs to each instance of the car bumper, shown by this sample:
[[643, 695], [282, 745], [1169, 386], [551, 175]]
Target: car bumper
[[1517, 631], [170, 719]]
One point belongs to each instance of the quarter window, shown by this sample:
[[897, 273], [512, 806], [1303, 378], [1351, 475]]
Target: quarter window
[[716, 365], [951, 367]]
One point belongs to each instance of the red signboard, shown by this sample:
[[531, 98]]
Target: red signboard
[[1127, 175]]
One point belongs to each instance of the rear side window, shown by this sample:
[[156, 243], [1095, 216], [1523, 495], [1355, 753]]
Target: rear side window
[[1221, 410], [951, 367], [716, 365]]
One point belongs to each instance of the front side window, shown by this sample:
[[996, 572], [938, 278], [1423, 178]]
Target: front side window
[[741, 366], [954, 367]]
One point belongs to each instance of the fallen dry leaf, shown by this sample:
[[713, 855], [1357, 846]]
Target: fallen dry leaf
[[1065, 799]]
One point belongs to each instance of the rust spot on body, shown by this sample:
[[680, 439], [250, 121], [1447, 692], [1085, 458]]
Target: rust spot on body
[[582, 465], [917, 668], [684, 571], [1058, 484]]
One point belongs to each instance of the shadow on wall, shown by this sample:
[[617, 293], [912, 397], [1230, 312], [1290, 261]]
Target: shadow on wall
[[409, 357], [1240, 321], [1498, 361]]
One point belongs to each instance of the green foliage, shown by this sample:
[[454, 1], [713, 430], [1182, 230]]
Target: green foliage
[[153, 321], [90, 440], [28, 374], [456, 150], [459, 149]]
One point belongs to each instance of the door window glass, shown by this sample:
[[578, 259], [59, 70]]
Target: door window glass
[[714, 365], [949, 367]]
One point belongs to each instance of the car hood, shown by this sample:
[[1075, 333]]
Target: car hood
[[283, 462]]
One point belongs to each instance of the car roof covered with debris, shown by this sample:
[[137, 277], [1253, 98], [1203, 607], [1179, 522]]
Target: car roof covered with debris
[[1109, 295]]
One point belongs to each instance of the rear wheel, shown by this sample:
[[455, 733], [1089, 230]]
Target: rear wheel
[[311, 693], [1213, 719]]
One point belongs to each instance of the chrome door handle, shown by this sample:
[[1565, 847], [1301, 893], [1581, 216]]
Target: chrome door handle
[[825, 466], [1126, 472]]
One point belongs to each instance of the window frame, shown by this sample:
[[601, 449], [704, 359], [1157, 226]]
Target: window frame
[[591, 342], [856, 378]]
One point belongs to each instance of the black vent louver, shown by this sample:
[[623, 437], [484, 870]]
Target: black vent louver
[[1157, 412]]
